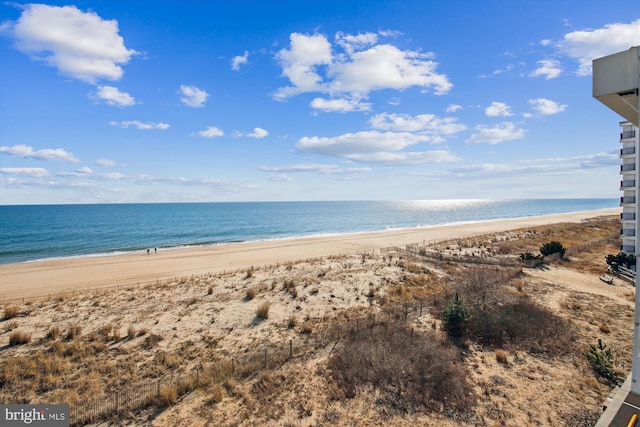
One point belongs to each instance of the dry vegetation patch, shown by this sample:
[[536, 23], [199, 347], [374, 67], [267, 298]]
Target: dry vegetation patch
[[412, 370]]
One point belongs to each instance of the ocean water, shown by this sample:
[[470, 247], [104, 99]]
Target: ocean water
[[37, 232]]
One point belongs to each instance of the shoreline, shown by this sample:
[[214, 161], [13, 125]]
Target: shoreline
[[33, 279]]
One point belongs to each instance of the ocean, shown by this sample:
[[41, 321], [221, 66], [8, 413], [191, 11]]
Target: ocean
[[39, 232]]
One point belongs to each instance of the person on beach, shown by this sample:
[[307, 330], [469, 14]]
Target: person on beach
[[156, 250], [148, 251]]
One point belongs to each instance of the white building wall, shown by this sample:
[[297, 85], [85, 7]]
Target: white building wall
[[629, 185]]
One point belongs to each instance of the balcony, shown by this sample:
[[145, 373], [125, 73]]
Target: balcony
[[629, 249], [627, 151], [627, 200], [627, 183], [628, 216], [628, 167], [628, 134], [627, 232]]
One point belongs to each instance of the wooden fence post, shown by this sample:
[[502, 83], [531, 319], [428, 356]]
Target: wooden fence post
[[290, 349]]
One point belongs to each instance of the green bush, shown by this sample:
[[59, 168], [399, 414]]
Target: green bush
[[622, 259], [455, 317], [553, 247], [531, 260], [601, 360]]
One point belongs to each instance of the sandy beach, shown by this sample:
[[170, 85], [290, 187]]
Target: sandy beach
[[34, 279]]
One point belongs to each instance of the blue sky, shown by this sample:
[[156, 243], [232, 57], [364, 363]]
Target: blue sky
[[153, 101]]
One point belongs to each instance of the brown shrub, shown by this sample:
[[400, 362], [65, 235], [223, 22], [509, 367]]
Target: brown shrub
[[10, 326], [604, 328], [73, 332], [11, 311], [168, 395], [498, 318], [293, 321], [251, 294], [131, 332], [263, 311], [501, 357], [53, 333], [217, 393], [290, 287], [413, 371], [18, 337]]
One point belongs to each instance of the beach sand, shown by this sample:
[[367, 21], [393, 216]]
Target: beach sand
[[36, 279]]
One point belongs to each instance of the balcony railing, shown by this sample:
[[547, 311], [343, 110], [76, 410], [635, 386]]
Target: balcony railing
[[628, 167], [627, 199], [628, 216], [627, 151], [627, 183], [628, 134], [627, 232], [628, 249]]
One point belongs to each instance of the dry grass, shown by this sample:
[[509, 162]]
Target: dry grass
[[413, 371], [11, 311], [290, 287], [262, 312], [18, 337], [10, 326], [501, 357], [53, 333], [168, 395], [73, 332], [251, 294]]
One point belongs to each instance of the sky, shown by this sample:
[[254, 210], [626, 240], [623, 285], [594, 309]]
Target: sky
[[218, 101]]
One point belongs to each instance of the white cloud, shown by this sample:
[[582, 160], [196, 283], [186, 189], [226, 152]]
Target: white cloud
[[387, 67], [85, 170], [299, 63], [499, 71], [79, 44], [374, 147], [452, 108], [192, 96], [506, 131], [239, 60], [547, 68], [107, 163], [586, 45], [424, 124], [316, 168], [258, 133], [364, 66], [32, 172], [498, 109], [342, 105], [279, 178], [546, 106], [112, 96], [303, 167], [49, 154], [211, 132], [140, 125], [351, 43], [545, 42]]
